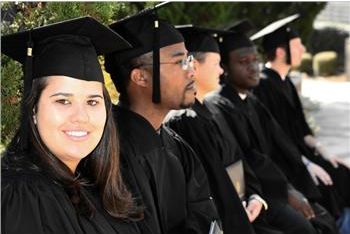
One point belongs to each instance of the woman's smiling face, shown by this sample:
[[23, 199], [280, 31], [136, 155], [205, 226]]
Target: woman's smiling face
[[71, 116]]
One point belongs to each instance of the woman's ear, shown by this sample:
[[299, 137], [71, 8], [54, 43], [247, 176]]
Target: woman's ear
[[34, 119], [34, 116], [138, 76]]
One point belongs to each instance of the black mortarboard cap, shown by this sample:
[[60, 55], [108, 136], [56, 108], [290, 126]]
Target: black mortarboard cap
[[199, 39], [277, 33], [244, 26], [68, 48], [237, 37], [146, 33]]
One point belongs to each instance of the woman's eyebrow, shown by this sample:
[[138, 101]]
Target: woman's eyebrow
[[62, 94], [70, 95], [95, 96]]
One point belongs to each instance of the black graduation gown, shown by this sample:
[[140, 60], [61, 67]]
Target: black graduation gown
[[167, 175], [272, 179], [259, 135], [32, 203], [196, 126], [269, 138], [260, 224], [282, 100]]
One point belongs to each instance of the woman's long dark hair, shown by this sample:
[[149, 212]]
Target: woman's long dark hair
[[100, 168]]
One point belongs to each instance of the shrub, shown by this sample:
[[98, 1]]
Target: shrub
[[11, 86], [329, 39], [325, 63]]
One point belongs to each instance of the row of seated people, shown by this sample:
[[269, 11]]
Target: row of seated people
[[249, 130], [224, 160]]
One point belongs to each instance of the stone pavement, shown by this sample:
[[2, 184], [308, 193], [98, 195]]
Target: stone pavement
[[331, 112]]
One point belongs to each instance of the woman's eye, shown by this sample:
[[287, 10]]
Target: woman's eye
[[63, 101], [92, 102]]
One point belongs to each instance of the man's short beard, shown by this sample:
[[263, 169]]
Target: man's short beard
[[184, 105]]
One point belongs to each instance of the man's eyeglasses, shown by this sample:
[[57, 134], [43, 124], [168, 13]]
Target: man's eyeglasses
[[185, 63]]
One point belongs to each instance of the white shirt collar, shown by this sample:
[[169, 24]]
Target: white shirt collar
[[243, 96]]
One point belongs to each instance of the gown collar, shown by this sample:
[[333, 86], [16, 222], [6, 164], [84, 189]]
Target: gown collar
[[201, 110], [136, 128]]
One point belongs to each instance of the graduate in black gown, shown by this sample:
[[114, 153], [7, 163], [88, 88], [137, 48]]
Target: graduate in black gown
[[165, 171], [283, 49], [60, 174], [259, 134], [215, 145]]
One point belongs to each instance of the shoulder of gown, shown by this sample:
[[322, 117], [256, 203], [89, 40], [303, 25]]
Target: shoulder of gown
[[33, 203]]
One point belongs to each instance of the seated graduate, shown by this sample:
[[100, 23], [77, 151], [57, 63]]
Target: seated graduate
[[283, 48], [215, 145], [162, 168], [60, 174], [254, 128]]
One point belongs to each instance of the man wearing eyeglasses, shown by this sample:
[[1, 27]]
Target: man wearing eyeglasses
[[152, 78], [176, 71]]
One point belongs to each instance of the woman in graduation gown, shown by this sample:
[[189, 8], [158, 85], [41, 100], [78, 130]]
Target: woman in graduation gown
[[60, 174]]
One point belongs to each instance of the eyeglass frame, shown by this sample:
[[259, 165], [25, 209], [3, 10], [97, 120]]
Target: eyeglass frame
[[185, 63]]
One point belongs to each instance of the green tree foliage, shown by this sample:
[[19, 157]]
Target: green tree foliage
[[10, 96], [224, 14], [17, 16]]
